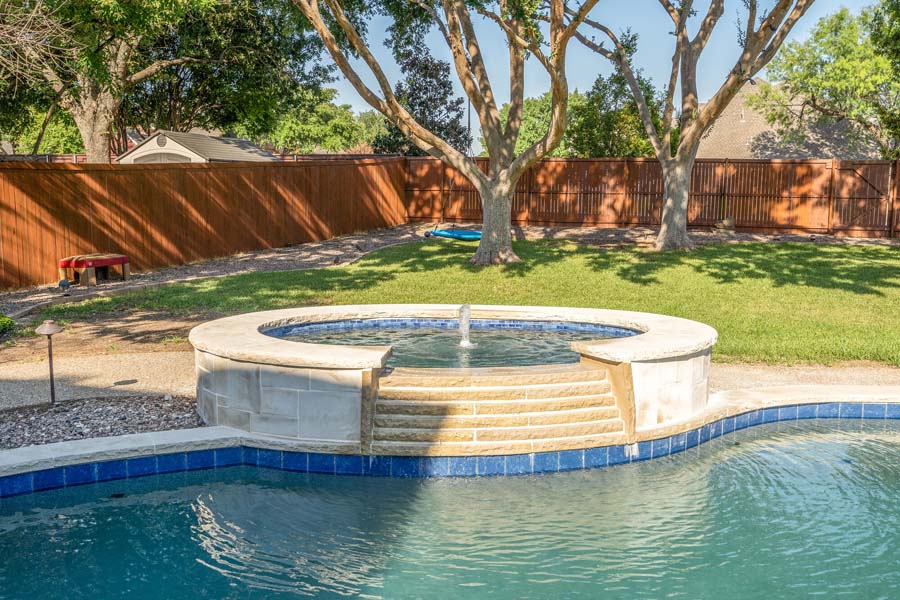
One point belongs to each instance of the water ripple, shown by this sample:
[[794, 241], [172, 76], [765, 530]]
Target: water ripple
[[780, 511]]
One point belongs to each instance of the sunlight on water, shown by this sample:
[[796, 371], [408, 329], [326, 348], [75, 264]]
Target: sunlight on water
[[780, 511], [440, 348]]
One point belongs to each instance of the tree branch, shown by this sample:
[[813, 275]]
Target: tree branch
[[153, 69], [620, 58]]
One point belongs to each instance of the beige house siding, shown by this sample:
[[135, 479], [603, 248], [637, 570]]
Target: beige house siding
[[742, 132]]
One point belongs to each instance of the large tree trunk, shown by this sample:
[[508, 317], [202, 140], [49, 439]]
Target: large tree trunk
[[496, 240], [673, 233], [94, 117]]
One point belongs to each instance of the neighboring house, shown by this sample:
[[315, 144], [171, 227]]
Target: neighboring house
[[177, 147], [741, 132], [6, 147]]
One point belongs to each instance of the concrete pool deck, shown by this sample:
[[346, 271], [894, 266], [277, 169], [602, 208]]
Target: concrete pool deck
[[172, 373]]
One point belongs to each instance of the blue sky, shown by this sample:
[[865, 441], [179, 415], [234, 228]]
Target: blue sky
[[645, 17]]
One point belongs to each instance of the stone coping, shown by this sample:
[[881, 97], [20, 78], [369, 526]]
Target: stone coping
[[35, 468], [241, 337]]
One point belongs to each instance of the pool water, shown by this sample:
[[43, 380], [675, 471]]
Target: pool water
[[779, 511], [436, 342]]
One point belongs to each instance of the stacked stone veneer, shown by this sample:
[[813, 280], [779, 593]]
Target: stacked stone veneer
[[671, 389], [312, 405]]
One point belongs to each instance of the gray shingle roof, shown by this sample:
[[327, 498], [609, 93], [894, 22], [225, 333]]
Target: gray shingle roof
[[741, 132], [214, 149]]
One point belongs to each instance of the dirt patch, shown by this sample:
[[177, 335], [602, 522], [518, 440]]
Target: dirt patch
[[120, 332]]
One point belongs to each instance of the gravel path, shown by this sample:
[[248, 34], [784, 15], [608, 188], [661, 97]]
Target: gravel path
[[349, 248], [315, 255], [111, 375], [95, 418]]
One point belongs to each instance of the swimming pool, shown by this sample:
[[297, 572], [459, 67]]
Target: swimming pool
[[780, 510]]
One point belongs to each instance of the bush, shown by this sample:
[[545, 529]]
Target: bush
[[6, 324]]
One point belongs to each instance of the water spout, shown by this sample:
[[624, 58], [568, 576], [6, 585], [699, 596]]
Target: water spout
[[465, 313]]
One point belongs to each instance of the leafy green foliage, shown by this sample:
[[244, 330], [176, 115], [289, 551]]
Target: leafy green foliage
[[96, 24], [607, 123], [60, 137], [373, 124], [837, 74], [427, 93], [314, 123], [885, 33], [17, 104], [536, 120], [251, 58], [6, 324], [604, 122], [769, 302], [885, 30]]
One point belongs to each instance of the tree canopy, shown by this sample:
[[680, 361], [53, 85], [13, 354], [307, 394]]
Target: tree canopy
[[426, 92], [313, 124], [839, 74], [251, 62], [521, 23], [607, 121]]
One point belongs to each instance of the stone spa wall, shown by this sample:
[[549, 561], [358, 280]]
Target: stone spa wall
[[325, 397]]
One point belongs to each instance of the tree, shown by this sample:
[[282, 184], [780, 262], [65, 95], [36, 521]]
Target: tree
[[518, 21], [373, 124], [760, 37], [607, 121], [536, 115], [886, 37], [315, 124], [427, 94], [250, 58], [57, 135], [30, 39], [102, 58], [835, 75]]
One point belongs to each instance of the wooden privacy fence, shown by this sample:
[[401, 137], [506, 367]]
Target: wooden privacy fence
[[858, 198], [163, 215]]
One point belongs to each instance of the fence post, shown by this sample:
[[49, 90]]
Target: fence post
[[894, 199], [830, 228], [723, 193]]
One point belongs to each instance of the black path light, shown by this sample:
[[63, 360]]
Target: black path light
[[50, 328]]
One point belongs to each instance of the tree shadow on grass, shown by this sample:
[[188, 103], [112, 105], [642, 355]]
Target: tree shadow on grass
[[864, 270]]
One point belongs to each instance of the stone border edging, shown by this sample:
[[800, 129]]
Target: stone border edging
[[40, 468]]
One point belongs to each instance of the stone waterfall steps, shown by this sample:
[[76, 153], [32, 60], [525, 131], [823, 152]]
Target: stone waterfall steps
[[488, 411]]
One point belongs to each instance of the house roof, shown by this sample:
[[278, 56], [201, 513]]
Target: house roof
[[742, 132], [213, 149]]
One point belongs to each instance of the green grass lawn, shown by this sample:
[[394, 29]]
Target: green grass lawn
[[769, 302]]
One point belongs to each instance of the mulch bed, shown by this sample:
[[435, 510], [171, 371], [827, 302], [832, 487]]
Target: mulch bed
[[80, 419]]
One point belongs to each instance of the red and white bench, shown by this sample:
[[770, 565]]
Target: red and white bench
[[85, 266]]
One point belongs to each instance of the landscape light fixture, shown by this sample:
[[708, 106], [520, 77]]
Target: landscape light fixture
[[50, 328]]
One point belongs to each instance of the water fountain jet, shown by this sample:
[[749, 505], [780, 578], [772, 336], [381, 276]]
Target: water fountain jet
[[465, 314]]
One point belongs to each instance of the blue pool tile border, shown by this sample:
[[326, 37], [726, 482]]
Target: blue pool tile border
[[432, 466], [419, 323]]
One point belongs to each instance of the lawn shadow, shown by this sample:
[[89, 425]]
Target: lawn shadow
[[865, 270], [857, 269]]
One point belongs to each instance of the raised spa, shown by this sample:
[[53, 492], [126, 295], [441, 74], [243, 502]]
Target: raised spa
[[400, 380]]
